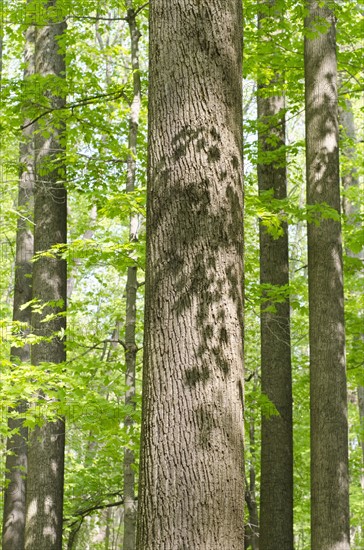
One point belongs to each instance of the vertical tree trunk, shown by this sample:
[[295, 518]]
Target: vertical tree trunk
[[252, 530], [129, 538], [46, 445], [276, 486], [351, 179], [191, 471], [328, 392], [16, 458]]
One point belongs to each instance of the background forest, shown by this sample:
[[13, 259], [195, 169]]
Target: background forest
[[98, 108]]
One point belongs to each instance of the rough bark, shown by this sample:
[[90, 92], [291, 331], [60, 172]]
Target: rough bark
[[276, 486], [46, 442], [129, 538], [16, 458], [191, 470], [328, 392]]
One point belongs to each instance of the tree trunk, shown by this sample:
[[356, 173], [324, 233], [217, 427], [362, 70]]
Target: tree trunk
[[328, 392], [191, 470], [251, 539], [351, 179], [129, 538], [276, 486], [46, 446], [16, 458]]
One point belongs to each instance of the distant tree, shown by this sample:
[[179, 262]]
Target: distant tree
[[251, 533], [191, 472], [351, 209], [276, 484], [328, 392], [129, 538]]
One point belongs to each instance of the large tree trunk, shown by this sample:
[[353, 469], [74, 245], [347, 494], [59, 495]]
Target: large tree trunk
[[129, 538], [191, 470], [46, 446], [16, 458], [276, 486], [328, 393]]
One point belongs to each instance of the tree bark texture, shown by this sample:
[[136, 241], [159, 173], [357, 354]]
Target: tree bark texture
[[46, 445], [276, 485], [276, 492], [16, 458], [129, 537], [191, 470], [328, 392]]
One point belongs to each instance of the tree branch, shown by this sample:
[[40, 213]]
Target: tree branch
[[86, 101], [87, 511], [98, 18], [95, 346]]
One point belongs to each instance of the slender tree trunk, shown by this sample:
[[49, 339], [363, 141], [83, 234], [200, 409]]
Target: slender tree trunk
[[46, 446], [191, 470], [129, 539], [351, 179], [16, 458], [252, 530], [328, 392], [276, 487]]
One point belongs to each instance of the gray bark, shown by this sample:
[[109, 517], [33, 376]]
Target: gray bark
[[16, 458], [350, 179], [46, 442], [129, 538], [276, 486], [328, 392], [191, 469]]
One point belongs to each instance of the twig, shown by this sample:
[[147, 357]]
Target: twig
[[95, 346], [86, 101], [87, 511]]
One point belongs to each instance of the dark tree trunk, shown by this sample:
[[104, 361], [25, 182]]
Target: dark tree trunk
[[328, 392], [276, 486], [16, 458], [46, 445], [191, 470]]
